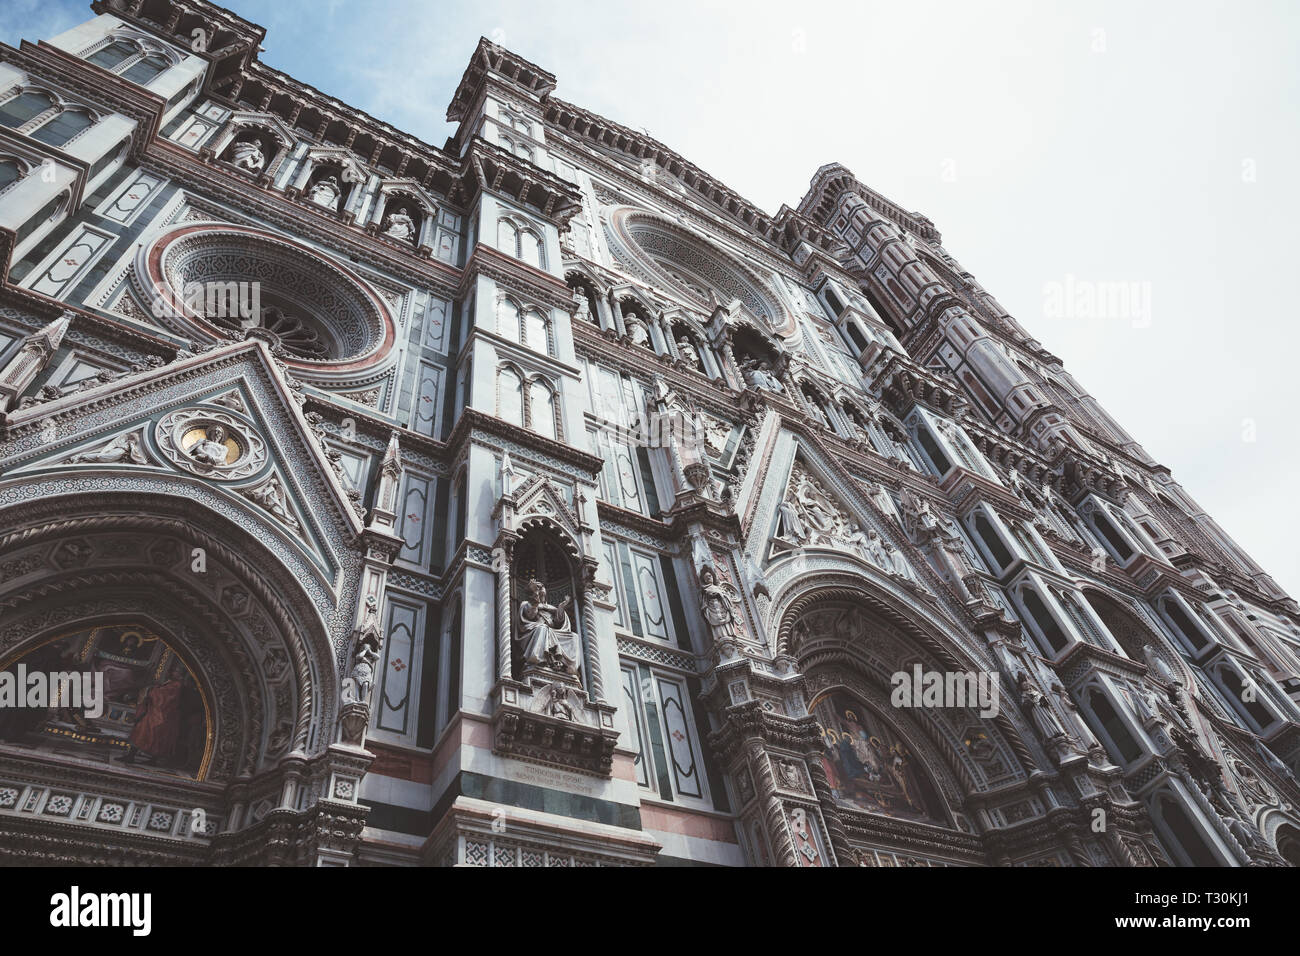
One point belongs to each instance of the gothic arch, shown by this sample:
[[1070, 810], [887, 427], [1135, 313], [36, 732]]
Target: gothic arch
[[238, 611], [1133, 633], [900, 634]]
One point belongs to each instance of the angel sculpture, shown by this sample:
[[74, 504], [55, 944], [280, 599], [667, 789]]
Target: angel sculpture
[[547, 639]]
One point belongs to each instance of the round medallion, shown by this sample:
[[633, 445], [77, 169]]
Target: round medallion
[[210, 443]]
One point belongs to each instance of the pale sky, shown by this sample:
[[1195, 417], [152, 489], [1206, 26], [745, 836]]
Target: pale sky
[[1104, 141]]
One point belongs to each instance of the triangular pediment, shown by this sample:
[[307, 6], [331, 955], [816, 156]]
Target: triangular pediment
[[539, 500], [817, 510], [225, 426]]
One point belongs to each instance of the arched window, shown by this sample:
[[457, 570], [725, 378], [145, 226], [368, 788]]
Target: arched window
[[542, 409], [508, 320], [520, 242], [1114, 726], [1191, 632], [10, 172], [1047, 625], [530, 248], [145, 70], [510, 397], [1235, 686], [1108, 531], [23, 107], [856, 336], [61, 129], [992, 541], [1186, 833], [536, 331], [112, 56], [937, 458]]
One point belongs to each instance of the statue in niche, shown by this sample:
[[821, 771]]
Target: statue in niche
[[818, 414], [398, 225], [688, 353], [248, 155], [211, 449], [548, 640], [326, 193], [356, 686], [1039, 710], [581, 307], [759, 375], [637, 332], [718, 604], [124, 449]]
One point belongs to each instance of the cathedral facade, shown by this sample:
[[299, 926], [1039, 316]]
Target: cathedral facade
[[536, 500]]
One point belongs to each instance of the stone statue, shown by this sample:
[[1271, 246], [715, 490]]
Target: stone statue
[[759, 375], [687, 351], [326, 193], [211, 449], [124, 449], [637, 332], [400, 226], [718, 604], [896, 562], [581, 308], [1039, 710], [547, 639], [248, 155], [356, 686]]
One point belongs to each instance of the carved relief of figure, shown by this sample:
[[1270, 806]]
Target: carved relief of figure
[[718, 604], [860, 543], [547, 638], [399, 225], [896, 563], [326, 192], [273, 497], [356, 686], [124, 449], [1157, 666], [211, 449], [248, 155], [792, 524]]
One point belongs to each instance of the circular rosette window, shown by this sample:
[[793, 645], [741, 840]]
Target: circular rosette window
[[228, 283], [211, 444]]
